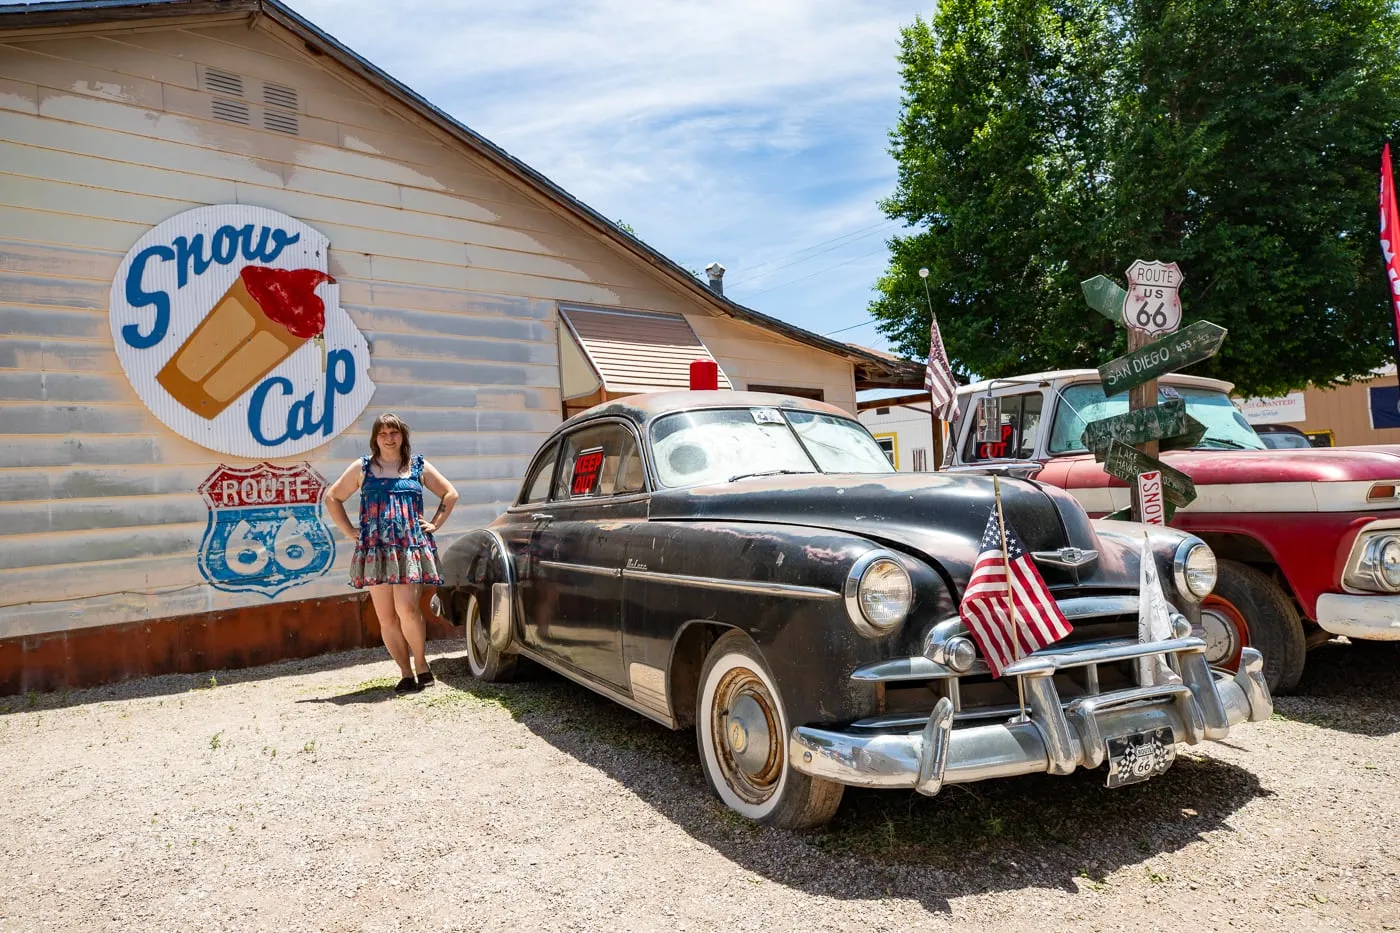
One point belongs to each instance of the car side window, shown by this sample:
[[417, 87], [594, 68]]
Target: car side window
[[536, 488], [599, 461], [1018, 432]]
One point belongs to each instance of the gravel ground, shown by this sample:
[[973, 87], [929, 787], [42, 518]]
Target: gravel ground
[[306, 796]]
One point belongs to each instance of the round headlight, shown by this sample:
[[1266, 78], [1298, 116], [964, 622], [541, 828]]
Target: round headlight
[[882, 597], [1199, 571], [1388, 564]]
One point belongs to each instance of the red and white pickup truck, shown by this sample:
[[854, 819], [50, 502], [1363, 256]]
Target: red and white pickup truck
[[1308, 541]]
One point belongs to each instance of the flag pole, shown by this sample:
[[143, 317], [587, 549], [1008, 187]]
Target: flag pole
[[935, 423], [1010, 598]]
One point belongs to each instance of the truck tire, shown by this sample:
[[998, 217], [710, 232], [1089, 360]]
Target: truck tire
[[1244, 597]]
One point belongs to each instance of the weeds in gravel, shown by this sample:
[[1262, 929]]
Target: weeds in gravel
[[309, 748], [214, 742]]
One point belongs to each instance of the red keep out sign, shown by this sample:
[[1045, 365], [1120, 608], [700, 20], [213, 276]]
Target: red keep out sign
[[1154, 507]]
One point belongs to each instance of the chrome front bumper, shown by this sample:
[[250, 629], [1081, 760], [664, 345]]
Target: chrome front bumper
[[1053, 736]]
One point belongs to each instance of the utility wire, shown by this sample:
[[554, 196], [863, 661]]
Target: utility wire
[[804, 278], [748, 274]]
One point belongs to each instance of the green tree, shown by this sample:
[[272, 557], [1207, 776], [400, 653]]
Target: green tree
[[1042, 142]]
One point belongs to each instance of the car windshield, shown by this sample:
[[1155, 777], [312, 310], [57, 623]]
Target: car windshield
[[722, 445], [1081, 404]]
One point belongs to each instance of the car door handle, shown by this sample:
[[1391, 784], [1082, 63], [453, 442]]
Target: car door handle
[[541, 517]]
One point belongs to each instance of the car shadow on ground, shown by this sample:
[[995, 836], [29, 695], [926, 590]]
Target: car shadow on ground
[[1067, 833], [1348, 686]]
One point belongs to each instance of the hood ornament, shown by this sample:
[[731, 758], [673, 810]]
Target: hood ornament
[[1072, 559]]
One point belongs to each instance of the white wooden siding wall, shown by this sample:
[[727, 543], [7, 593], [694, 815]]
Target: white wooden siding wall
[[911, 428], [450, 269], [749, 354], [449, 272]]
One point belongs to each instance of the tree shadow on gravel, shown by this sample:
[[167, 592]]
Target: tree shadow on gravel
[[1009, 835], [1348, 686]]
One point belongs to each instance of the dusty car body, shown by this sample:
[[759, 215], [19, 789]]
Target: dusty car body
[[1308, 539], [750, 566]]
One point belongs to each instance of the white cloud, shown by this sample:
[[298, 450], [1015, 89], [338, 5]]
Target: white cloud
[[739, 131]]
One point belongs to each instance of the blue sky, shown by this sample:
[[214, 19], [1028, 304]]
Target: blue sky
[[752, 134]]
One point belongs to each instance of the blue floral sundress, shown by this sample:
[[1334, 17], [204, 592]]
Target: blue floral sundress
[[393, 547]]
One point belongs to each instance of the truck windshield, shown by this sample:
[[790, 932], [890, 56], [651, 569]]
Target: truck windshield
[[723, 445], [1080, 404]]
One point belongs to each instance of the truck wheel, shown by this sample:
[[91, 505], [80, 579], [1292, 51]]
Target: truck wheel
[[742, 732], [1247, 609], [485, 662]]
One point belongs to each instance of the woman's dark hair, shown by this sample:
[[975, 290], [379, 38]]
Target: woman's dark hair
[[392, 421]]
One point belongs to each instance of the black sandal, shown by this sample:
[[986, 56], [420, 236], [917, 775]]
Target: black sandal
[[426, 679], [407, 685]]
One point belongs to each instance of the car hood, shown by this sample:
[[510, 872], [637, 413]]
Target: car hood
[[1316, 465], [939, 514]]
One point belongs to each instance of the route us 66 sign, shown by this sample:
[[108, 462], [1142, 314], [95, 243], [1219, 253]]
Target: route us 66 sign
[[266, 532], [1153, 304]]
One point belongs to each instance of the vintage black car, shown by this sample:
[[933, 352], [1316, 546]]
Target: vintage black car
[[750, 565]]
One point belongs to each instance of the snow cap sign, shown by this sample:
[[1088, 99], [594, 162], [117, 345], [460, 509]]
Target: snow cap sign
[[230, 329]]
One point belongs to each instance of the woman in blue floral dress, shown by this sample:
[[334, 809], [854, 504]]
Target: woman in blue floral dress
[[395, 555]]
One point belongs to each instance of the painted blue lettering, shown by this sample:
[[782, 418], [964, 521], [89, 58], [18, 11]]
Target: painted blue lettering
[[190, 252], [138, 297], [301, 421], [340, 380], [255, 409], [224, 246]]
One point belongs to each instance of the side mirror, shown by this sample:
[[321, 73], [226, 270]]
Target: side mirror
[[988, 420]]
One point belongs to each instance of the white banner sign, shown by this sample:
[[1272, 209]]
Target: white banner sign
[[1287, 410], [230, 329], [1154, 506]]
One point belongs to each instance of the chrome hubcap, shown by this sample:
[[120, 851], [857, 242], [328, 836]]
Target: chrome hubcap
[[478, 639], [744, 728], [1221, 635]]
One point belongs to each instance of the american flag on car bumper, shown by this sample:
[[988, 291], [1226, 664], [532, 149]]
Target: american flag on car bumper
[[1007, 606]]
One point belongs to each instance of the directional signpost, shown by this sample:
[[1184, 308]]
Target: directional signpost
[[1127, 443], [1126, 463], [1137, 427], [1199, 341]]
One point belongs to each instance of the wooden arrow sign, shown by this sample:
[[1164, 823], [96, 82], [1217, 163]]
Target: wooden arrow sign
[[1105, 297], [1126, 463], [1191, 344], [1137, 426], [1195, 433]]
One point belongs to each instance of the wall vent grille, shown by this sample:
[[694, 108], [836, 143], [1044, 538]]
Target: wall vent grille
[[277, 95], [281, 122], [231, 111], [223, 82]]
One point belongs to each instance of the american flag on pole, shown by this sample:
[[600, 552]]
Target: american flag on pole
[[1007, 606], [938, 377]]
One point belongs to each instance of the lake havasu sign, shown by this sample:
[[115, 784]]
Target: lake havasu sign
[[229, 326]]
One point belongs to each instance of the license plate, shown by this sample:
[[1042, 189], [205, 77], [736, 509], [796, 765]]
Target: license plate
[[1139, 756]]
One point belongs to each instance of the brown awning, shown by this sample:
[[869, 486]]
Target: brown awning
[[631, 351]]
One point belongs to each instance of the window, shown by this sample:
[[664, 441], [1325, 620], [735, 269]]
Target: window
[[599, 461], [541, 475], [1020, 430], [920, 459], [887, 444], [1081, 404]]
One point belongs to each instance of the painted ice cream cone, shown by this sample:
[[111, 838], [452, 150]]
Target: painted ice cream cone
[[264, 317]]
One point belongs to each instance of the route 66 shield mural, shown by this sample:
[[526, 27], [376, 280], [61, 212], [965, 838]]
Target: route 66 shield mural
[[266, 530]]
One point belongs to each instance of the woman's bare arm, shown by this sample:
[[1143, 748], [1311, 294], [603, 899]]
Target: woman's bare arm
[[438, 485], [341, 490]]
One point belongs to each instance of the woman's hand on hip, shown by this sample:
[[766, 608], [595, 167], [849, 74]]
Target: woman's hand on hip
[[427, 526]]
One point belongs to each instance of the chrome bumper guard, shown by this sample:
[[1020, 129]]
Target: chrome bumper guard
[[1051, 736]]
